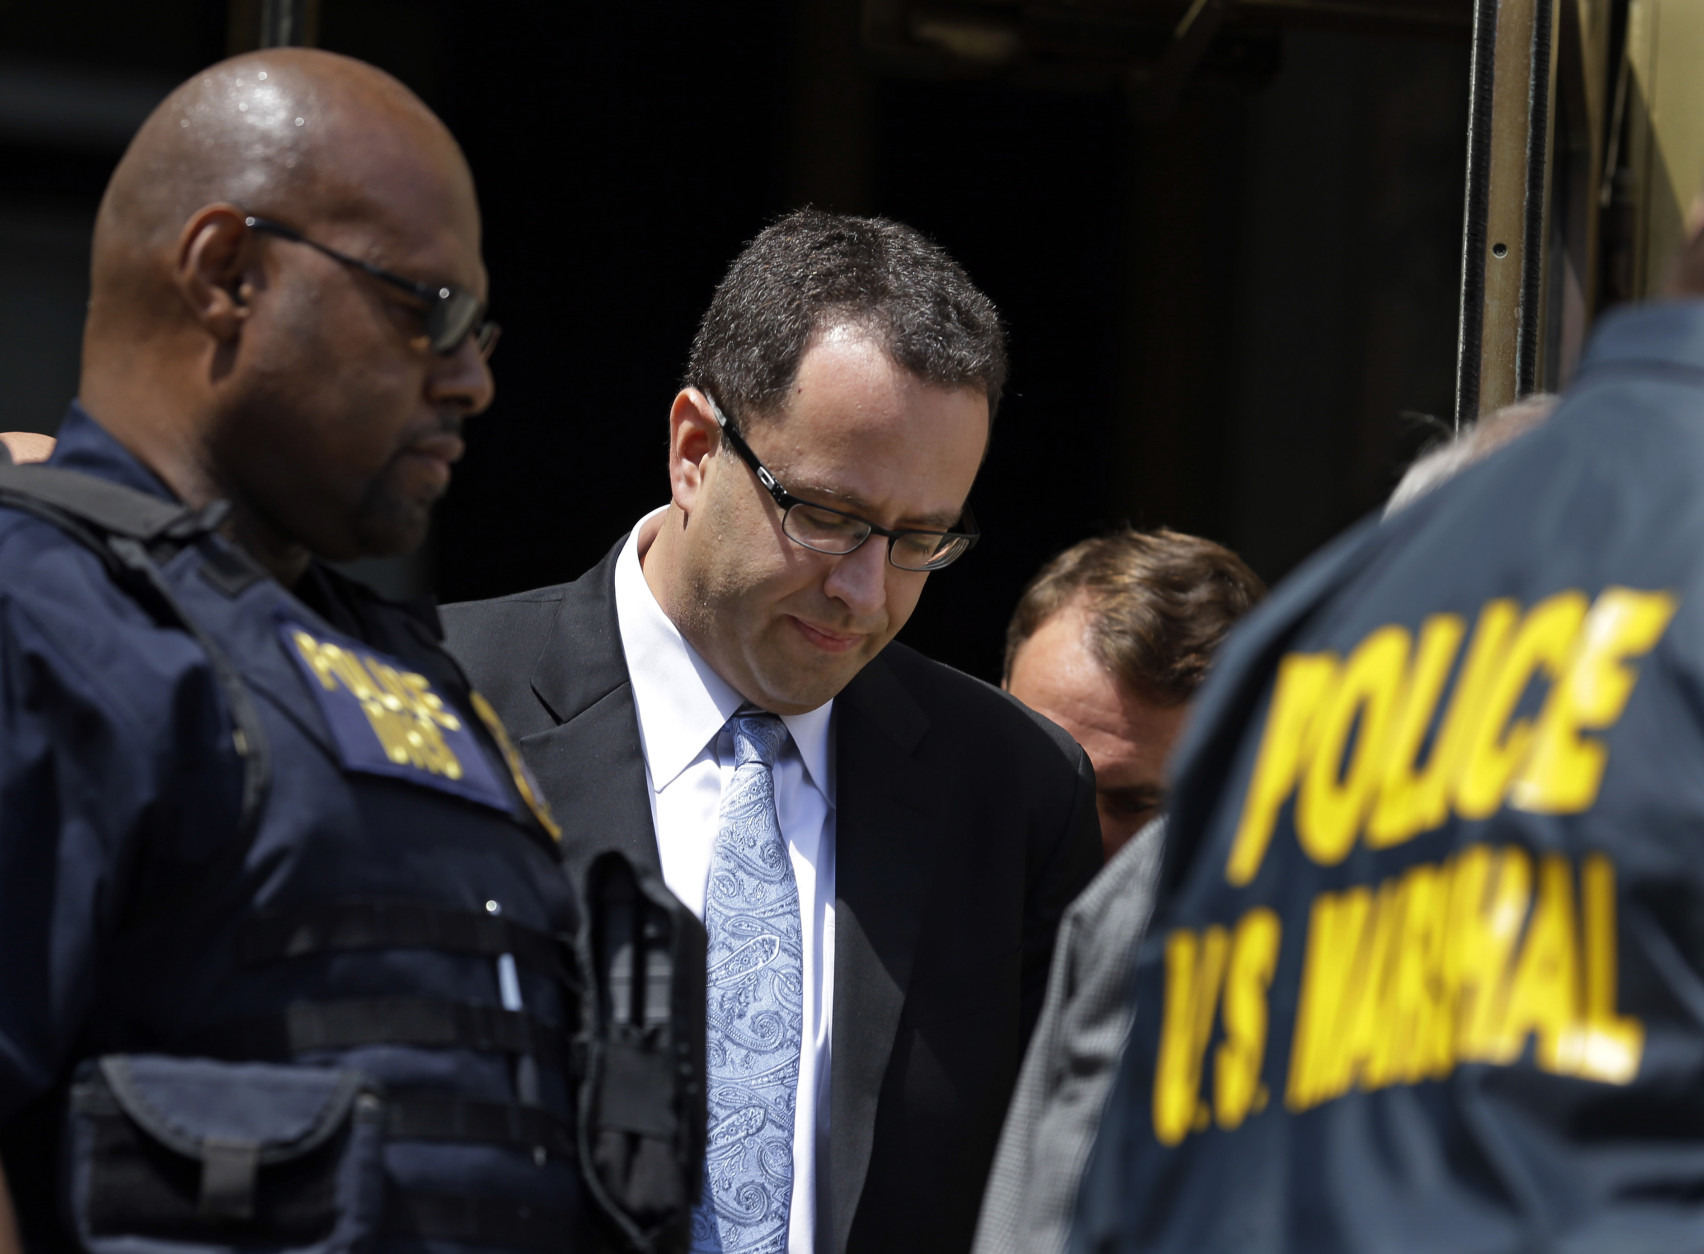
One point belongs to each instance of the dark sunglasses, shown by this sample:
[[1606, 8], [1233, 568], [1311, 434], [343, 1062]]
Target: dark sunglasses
[[452, 313]]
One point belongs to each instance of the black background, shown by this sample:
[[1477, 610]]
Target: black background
[[1229, 321]]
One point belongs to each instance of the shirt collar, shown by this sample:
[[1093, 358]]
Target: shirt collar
[[682, 703], [1662, 332], [85, 445]]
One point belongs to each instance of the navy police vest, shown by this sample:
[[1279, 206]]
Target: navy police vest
[[346, 997]]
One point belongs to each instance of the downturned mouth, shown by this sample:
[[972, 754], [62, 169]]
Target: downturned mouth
[[824, 637]]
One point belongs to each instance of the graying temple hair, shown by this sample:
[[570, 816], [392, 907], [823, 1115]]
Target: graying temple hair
[[1474, 444]]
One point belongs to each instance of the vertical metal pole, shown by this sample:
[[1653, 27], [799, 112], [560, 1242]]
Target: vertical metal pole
[[287, 23], [1470, 328], [1530, 330], [1505, 216]]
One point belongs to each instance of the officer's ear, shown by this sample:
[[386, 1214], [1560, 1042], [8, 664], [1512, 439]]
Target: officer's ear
[[215, 269]]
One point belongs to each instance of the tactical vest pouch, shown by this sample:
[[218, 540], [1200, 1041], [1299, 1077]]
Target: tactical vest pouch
[[174, 1155]]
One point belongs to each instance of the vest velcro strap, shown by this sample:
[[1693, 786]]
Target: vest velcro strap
[[482, 1221], [419, 1117], [110, 506], [228, 1176], [348, 925], [307, 1026]]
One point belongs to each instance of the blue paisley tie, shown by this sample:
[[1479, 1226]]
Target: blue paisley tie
[[756, 1007]]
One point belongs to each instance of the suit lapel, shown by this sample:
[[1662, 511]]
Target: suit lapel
[[591, 766], [883, 858]]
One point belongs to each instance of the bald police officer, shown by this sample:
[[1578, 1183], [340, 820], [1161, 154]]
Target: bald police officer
[[283, 917]]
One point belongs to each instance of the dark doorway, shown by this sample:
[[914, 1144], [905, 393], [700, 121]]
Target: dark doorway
[[1231, 318]]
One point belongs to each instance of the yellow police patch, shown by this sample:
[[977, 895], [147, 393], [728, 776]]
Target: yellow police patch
[[386, 719]]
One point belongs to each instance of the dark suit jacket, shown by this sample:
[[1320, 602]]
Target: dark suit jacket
[[964, 826]]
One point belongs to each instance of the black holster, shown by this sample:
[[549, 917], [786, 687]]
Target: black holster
[[642, 1097]]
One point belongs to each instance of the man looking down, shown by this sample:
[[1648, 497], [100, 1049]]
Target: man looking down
[[1111, 639], [880, 846]]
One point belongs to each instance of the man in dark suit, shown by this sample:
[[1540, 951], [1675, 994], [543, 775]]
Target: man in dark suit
[[724, 680]]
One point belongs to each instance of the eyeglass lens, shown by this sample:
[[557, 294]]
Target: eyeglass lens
[[453, 316], [829, 532]]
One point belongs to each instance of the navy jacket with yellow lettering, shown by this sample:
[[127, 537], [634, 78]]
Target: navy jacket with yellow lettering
[[1428, 971]]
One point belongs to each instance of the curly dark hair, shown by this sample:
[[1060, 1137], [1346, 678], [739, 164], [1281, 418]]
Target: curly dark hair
[[811, 272], [1160, 604]]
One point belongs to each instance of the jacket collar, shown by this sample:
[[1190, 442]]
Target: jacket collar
[[682, 703], [1662, 333], [592, 755], [582, 661], [84, 445]]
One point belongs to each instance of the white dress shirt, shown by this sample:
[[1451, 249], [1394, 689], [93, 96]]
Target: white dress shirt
[[683, 706]]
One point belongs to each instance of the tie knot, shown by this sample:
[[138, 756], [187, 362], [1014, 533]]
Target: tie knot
[[757, 736]]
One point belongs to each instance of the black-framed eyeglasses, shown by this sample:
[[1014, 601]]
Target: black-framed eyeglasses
[[452, 313], [835, 531]]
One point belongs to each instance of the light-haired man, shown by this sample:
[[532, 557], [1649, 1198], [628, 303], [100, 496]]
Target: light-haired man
[[1110, 640]]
